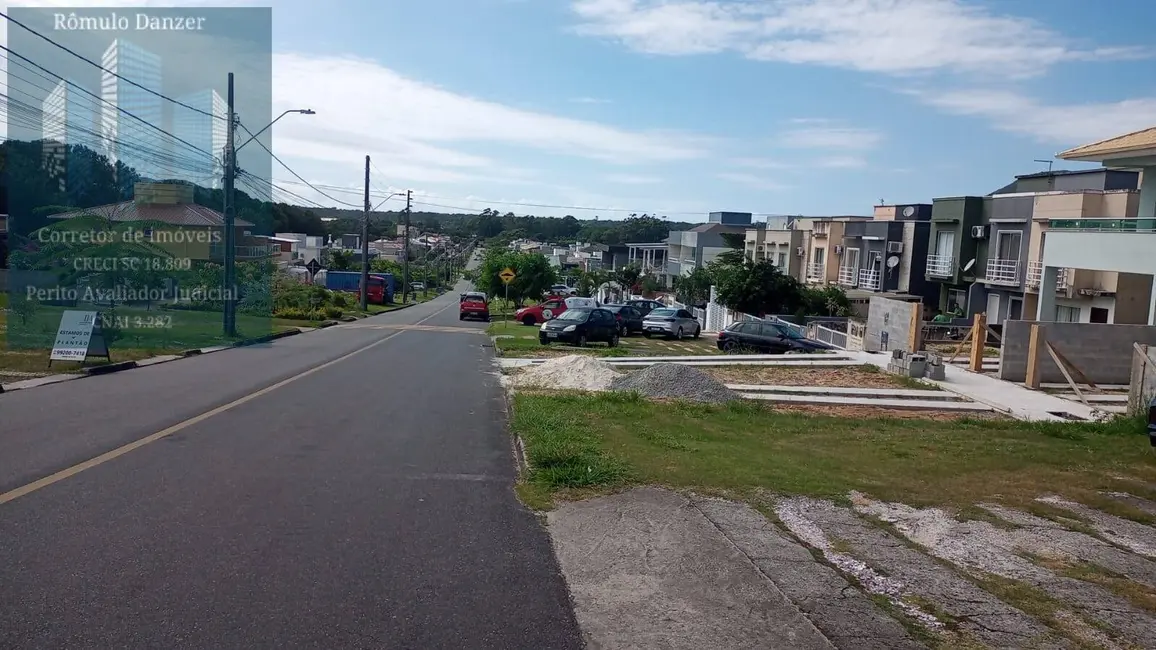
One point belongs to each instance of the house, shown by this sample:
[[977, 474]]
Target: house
[[690, 249], [953, 256], [888, 253], [821, 237], [190, 231], [1121, 245], [650, 258], [778, 242]]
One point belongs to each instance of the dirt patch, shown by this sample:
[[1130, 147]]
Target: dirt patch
[[873, 412], [835, 377]]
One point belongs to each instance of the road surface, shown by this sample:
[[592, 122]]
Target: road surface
[[346, 488]]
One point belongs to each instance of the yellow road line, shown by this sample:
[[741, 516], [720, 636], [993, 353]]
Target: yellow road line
[[164, 433]]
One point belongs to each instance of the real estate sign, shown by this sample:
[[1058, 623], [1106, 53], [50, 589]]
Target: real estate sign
[[78, 337]]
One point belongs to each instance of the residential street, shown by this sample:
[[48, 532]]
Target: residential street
[[367, 504]]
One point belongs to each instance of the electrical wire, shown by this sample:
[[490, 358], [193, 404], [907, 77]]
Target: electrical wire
[[103, 69], [298, 176]]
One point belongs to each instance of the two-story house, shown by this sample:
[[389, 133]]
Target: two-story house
[[887, 253], [777, 241], [822, 246], [954, 255], [689, 249]]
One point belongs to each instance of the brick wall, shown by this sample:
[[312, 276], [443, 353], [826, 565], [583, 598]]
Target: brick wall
[[888, 324], [1103, 352]]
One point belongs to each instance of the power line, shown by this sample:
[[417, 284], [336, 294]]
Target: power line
[[105, 70], [290, 170]]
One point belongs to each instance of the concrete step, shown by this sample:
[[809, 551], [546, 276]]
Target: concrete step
[[914, 404], [833, 391], [1065, 387], [1095, 398]]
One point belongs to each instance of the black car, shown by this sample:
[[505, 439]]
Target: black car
[[767, 337], [580, 326], [645, 306], [629, 319]]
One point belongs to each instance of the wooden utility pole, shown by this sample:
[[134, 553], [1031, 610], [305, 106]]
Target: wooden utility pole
[[365, 245], [408, 206], [230, 214]]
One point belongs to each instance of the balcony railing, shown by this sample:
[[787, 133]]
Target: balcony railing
[[869, 280], [1001, 271], [815, 271], [1036, 273], [940, 266], [1104, 225], [217, 251], [848, 276]]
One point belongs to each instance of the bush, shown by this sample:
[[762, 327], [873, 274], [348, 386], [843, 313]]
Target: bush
[[293, 313]]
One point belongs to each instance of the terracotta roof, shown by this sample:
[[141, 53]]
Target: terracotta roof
[[1121, 144], [177, 214]]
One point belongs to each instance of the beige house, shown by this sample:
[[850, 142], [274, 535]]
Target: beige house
[[779, 243], [822, 245]]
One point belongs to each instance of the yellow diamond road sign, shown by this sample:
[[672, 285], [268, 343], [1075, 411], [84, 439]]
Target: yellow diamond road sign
[[507, 275]]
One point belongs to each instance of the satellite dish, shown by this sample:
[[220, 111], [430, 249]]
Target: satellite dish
[[892, 261], [967, 267]]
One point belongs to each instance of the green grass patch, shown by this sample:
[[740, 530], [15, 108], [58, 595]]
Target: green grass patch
[[605, 440]]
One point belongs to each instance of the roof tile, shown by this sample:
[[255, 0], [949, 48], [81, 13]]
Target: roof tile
[[1135, 141]]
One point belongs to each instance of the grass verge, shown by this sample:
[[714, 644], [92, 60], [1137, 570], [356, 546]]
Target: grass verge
[[605, 441]]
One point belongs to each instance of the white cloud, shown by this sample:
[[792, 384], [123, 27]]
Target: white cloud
[[753, 181], [589, 100], [633, 179], [759, 163], [830, 137], [1062, 125], [885, 36], [841, 162]]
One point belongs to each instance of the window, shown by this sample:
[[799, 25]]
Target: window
[[851, 259], [819, 256], [956, 298], [945, 243], [1099, 315], [782, 260], [1066, 314], [1008, 244]]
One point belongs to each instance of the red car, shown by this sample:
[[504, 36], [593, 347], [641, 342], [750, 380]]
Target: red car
[[474, 305], [550, 309]]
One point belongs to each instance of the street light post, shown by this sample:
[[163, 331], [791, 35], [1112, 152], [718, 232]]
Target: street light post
[[230, 212]]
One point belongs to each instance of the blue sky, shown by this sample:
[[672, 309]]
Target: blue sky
[[682, 107]]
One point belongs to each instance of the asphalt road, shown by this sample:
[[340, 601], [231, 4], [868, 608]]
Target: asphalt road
[[366, 504]]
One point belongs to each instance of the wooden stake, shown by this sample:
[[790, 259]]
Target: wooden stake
[[1063, 369], [1075, 371], [959, 348], [978, 341], [1032, 377]]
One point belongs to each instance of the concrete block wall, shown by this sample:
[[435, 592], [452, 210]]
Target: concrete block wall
[[1103, 352], [888, 325], [1143, 387]]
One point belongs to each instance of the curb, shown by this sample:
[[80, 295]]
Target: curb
[[268, 338], [108, 368]]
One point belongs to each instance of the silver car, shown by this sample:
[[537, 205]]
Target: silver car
[[671, 323]]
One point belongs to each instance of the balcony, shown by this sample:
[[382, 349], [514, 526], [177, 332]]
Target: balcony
[[1001, 271], [1104, 225], [869, 280], [1036, 273], [847, 276], [940, 266], [815, 271], [217, 252]]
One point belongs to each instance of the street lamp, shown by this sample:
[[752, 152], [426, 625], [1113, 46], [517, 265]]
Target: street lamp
[[230, 211], [303, 111]]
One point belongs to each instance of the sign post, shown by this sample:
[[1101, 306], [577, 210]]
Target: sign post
[[507, 276], [313, 267], [79, 337]]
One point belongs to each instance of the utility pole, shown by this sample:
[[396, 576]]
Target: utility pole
[[408, 205], [230, 243], [365, 245]]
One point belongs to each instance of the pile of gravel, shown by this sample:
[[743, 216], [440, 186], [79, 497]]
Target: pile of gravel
[[571, 372], [675, 381]]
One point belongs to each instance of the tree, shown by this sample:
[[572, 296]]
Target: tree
[[825, 301], [533, 272], [694, 288], [628, 276], [757, 288], [340, 260], [735, 240]]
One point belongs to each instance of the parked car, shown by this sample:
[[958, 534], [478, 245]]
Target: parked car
[[629, 319], [562, 290], [645, 305], [767, 337], [474, 305], [550, 309], [580, 326], [671, 323]]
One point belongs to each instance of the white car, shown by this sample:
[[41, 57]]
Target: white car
[[562, 290], [670, 322]]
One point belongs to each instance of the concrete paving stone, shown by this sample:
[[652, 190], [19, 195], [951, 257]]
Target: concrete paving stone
[[1132, 535], [1136, 502], [1039, 534], [984, 548], [845, 615], [977, 612], [646, 569]]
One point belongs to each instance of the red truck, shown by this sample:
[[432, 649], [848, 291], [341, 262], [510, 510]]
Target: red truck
[[474, 305]]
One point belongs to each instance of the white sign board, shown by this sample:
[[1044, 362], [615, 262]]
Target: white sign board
[[74, 336]]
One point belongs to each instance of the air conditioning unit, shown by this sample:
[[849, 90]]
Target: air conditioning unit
[[979, 232], [838, 250], [800, 251], [894, 247]]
